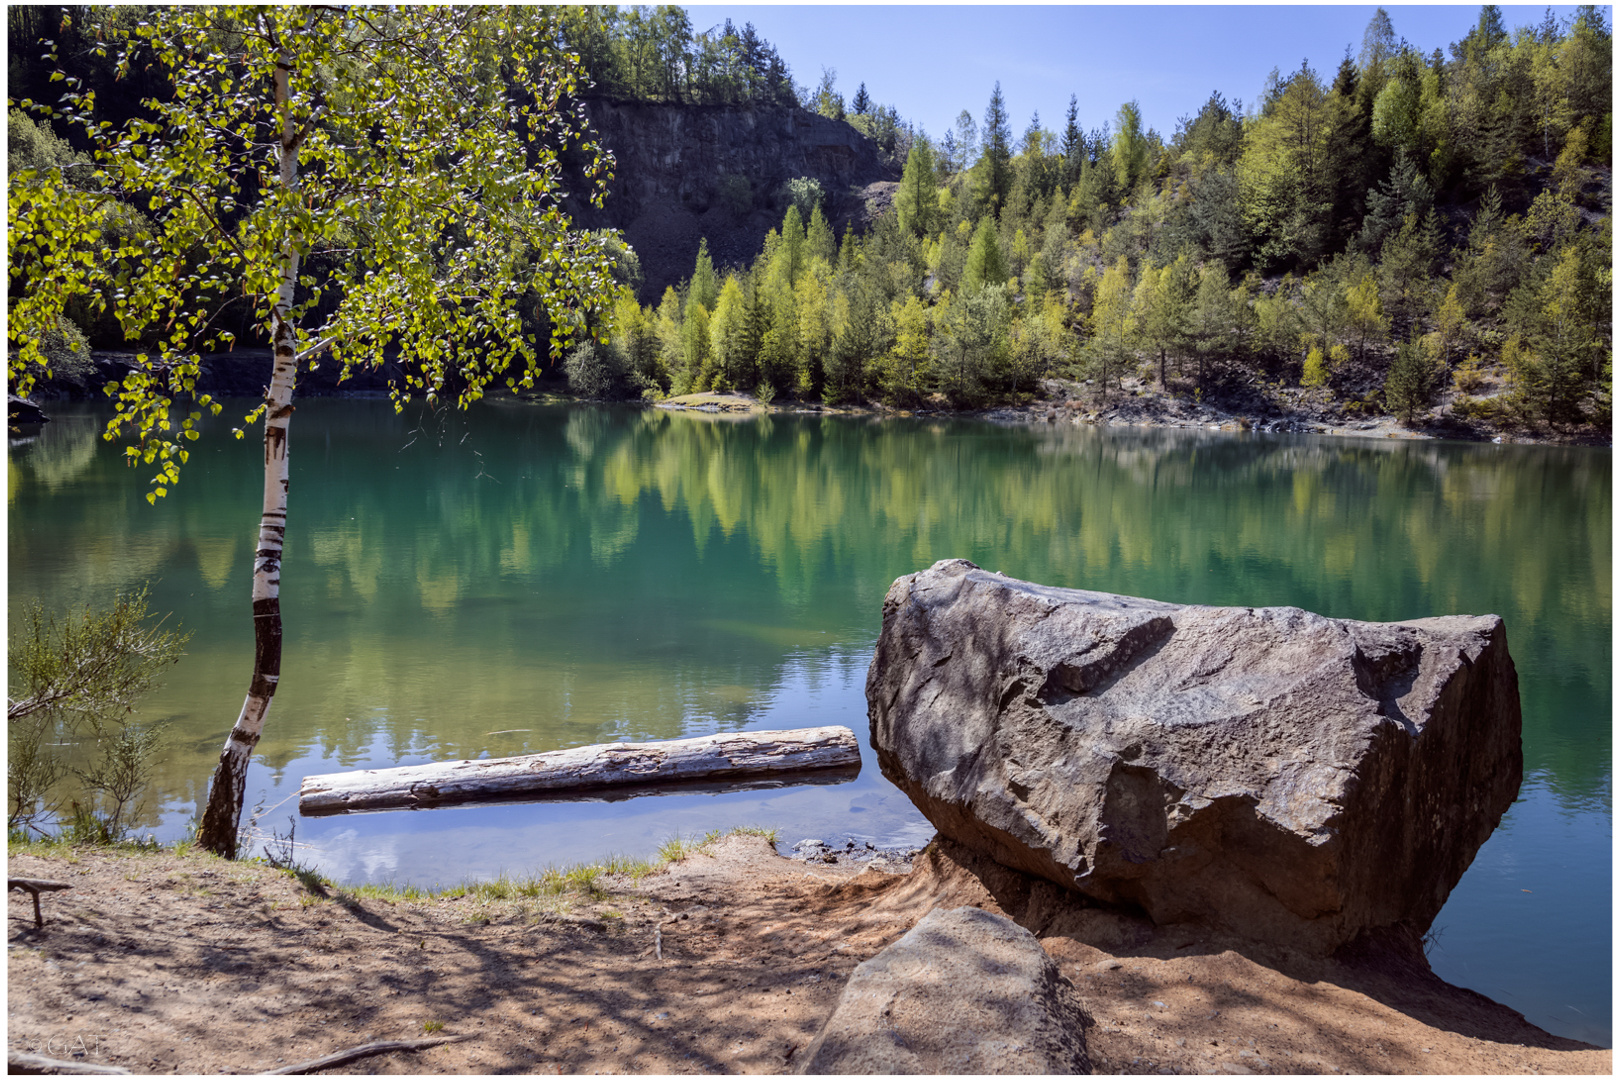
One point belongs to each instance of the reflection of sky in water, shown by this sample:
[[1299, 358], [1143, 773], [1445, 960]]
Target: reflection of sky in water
[[1541, 865], [479, 841]]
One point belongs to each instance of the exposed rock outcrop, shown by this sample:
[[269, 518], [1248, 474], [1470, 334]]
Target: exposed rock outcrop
[[678, 167], [1265, 771], [963, 991], [21, 411]]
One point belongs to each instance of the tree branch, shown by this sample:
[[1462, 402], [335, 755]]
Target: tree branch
[[316, 349], [343, 1057]]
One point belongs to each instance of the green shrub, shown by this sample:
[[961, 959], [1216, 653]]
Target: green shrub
[[600, 370], [736, 194], [1409, 386], [1316, 370], [73, 688], [806, 193], [1468, 378]]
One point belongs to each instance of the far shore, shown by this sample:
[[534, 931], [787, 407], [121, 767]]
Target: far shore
[[1134, 402]]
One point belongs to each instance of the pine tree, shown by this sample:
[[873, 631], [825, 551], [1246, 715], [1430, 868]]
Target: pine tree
[[704, 289], [997, 148], [1130, 149], [815, 332], [1108, 351], [1212, 320], [778, 347], [1160, 310], [1293, 156], [985, 263], [1557, 342], [915, 203], [825, 99], [861, 102], [696, 352], [1034, 139], [819, 240], [671, 345], [1073, 144], [792, 244], [849, 251], [728, 338], [1409, 385], [1378, 43], [967, 140], [907, 371], [1365, 312]]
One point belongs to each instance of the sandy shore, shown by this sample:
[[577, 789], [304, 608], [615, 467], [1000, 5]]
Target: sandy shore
[[728, 961]]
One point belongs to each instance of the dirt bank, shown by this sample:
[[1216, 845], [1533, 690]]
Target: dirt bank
[[1139, 403], [1273, 407], [726, 962]]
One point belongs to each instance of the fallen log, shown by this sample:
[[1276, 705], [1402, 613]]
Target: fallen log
[[582, 768], [724, 785]]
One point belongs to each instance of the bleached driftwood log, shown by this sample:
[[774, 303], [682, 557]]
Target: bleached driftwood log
[[738, 753]]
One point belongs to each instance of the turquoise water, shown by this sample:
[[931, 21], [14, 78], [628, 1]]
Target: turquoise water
[[530, 577]]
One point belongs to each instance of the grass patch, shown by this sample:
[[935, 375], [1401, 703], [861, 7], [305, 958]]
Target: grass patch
[[588, 880], [678, 847], [389, 894], [551, 888], [66, 846]]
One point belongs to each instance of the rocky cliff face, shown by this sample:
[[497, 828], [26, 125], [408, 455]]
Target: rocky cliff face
[[685, 172]]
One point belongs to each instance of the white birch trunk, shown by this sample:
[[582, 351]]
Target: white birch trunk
[[556, 772], [222, 817]]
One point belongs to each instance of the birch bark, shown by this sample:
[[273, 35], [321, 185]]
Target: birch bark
[[222, 817]]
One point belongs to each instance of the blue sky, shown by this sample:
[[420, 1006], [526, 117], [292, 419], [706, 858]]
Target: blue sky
[[931, 62]]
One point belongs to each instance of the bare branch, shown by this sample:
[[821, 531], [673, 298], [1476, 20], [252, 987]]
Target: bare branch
[[317, 348]]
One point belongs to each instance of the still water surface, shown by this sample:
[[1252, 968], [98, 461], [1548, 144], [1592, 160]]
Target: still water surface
[[525, 578]]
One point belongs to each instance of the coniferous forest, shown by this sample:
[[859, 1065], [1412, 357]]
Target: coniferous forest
[[1407, 223], [1407, 226]]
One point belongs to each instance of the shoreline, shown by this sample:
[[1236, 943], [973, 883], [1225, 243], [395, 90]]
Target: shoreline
[[1142, 407], [1138, 403], [728, 959]]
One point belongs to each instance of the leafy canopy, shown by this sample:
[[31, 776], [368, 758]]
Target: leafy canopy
[[425, 202]]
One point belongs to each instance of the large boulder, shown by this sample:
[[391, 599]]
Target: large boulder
[[1264, 771], [963, 991]]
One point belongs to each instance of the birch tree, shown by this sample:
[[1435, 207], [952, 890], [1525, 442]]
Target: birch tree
[[354, 182]]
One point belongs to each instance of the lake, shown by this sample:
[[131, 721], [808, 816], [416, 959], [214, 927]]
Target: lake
[[523, 578]]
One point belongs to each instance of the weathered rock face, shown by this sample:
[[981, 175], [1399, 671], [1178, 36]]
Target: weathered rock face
[[672, 168], [1266, 771], [963, 991], [22, 411]]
